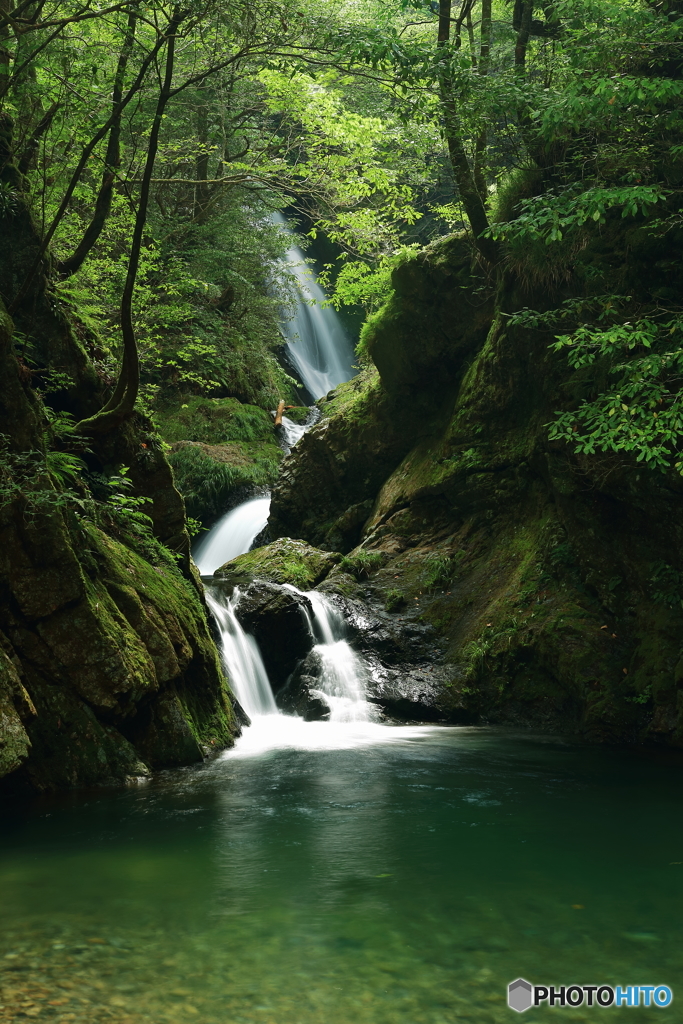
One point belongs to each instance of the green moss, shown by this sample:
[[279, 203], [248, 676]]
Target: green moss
[[214, 421], [208, 475], [394, 600], [518, 184], [361, 563], [283, 561], [298, 414]]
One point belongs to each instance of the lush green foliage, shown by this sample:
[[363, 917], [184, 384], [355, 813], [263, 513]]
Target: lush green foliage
[[535, 130]]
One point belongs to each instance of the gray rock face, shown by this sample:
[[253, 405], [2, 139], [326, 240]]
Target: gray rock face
[[297, 697], [405, 675]]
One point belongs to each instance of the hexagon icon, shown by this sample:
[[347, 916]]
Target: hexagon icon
[[519, 995]]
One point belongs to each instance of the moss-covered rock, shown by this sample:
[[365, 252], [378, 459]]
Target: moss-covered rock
[[107, 667], [438, 314], [283, 561], [221, 450], [327, 485], [212, 478]]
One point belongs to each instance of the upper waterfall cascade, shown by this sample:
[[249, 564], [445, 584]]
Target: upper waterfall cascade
[[318, 345]]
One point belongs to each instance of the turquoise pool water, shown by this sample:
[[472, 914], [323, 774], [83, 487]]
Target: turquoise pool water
[[365, 875]]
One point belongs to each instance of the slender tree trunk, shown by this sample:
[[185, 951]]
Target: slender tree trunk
[[27, 158], [123, 400], [112, 161], [525, 9], [469, 194], [76, 175], [201, 190], [484, 61], [5, 55]]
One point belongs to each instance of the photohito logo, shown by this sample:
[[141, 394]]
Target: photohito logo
[[522, 995]]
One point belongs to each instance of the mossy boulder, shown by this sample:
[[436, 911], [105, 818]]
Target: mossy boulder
[[283, 561], [420, 338], [221, 450], [326, 488], [213, 421], [211, 477]]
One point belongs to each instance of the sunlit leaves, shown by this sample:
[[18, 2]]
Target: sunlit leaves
[[642, 413], [550, 216]]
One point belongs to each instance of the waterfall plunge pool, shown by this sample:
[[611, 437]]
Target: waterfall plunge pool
[[328, 874]]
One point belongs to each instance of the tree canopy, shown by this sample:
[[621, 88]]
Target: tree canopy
[[152, 142]]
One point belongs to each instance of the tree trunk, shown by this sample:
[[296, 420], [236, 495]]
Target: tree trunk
[[123, 400], [112, 162], [467, 188]]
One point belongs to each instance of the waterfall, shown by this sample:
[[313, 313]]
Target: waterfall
[[232, 535], [242, 658], [318, 346], [322, 354], [342, 672]]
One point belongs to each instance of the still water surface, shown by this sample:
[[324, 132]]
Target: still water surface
[[367, 874]]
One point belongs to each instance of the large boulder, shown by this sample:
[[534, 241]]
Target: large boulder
[[283, 561]]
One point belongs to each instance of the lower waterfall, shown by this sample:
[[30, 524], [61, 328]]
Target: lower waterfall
[[342, 672], [342, 680]]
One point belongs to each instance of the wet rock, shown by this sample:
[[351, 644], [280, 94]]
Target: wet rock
[[283, 561], [276, 618], [300, 696]]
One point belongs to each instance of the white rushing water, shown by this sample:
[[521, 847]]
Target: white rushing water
[[242, 659], [323, 356], [343, 676], [292, 432], [318, 346], [232, 535]]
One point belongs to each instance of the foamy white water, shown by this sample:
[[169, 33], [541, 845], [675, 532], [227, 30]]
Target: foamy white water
[[343, 676], [317, 343], [288, 732], [292, 432], [232, 535]]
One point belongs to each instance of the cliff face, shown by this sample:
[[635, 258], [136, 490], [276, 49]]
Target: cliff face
[[549, 583], [107, 666]]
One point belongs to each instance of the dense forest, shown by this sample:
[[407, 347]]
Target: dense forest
[[493, 189]]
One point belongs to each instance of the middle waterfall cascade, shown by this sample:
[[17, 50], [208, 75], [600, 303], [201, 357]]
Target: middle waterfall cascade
[[232, 535]]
